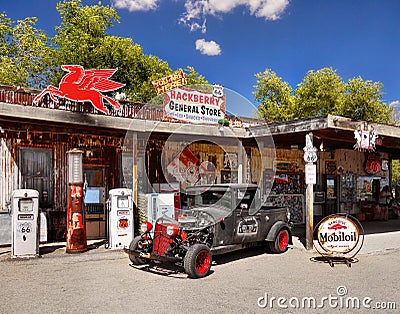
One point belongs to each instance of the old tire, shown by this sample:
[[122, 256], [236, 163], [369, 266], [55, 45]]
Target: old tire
[[281, 242], [197, 261], [133, 247]]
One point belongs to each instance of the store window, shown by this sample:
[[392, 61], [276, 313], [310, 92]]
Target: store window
[[36, 165]]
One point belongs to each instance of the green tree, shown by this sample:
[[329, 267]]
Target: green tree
[[395, 172], [319, 93], [82, 39], [362, 100], [81, 33], [275, 97], [26, 55], [193, 77], [135, 69]]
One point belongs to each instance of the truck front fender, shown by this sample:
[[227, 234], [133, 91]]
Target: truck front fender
[[279, 225]]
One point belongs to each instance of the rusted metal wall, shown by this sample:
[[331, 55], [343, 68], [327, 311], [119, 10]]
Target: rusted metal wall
[[101, 150], [60, 174], [8, 174]]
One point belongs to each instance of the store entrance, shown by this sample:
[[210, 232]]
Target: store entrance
[[94, 202], [331, 191]]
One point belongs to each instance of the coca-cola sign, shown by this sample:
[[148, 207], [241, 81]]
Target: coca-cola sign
[[338, 234]]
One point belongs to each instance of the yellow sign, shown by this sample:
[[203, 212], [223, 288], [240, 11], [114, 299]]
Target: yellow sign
[[169, 82]]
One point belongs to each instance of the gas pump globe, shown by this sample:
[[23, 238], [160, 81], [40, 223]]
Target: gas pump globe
[[75, 167], [76, 231]]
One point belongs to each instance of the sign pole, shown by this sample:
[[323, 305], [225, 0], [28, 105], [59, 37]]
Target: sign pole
[[310, 156], [309, 216]]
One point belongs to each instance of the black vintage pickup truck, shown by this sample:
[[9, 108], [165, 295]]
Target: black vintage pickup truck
[[220, 218]]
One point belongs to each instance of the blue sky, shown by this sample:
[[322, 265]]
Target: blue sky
[[228, 41]]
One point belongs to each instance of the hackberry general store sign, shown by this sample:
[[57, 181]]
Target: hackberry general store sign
[[338, 234], [194, 106]]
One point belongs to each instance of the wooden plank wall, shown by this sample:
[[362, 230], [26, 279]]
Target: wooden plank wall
[[203, 151], [8, 172], [354, 161], [59, 143]]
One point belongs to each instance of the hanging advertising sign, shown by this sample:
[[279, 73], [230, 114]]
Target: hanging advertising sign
[[84, 85], [169, 82], [372, 164], [366, 138], [338, 234], [193, 106]]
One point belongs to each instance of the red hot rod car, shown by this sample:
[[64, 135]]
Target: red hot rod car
[[219, 219]]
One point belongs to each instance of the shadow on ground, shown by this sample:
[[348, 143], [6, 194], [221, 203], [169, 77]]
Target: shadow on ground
[[52, 247]]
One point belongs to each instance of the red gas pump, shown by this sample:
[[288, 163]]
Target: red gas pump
[[76, 231]]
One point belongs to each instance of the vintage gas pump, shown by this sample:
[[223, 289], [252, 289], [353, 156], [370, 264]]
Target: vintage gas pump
[[159, 204], [25, 218], [120, 219], [76, 232]]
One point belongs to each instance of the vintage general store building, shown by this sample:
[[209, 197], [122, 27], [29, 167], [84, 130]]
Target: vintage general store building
[[136, 148]]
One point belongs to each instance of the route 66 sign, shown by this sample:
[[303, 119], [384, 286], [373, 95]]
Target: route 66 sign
[[310, 151], [310, 157], [218, 91]]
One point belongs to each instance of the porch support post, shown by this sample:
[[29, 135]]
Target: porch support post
[[310, 157], [241, 162]]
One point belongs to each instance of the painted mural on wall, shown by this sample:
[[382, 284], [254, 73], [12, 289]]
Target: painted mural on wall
[[84, 85]]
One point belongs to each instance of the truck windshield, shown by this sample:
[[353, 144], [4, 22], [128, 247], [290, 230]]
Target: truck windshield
[[210, 197]]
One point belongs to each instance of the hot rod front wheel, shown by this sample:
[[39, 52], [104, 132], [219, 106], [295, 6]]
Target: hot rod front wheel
[[197, 261], [133, 247]]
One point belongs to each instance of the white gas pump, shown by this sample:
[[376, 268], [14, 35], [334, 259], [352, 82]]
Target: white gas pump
[[159, 204], [120, 219], [25, 218]]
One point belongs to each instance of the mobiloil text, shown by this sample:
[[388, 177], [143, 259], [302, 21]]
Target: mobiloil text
[[341, 236]]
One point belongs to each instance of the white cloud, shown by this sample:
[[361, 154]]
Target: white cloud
[[199, 9], [395, 103], [136, 5], [209, 48], [196, 11]]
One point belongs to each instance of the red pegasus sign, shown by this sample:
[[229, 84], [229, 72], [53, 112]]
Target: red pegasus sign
[[84, 85], [337, 227]]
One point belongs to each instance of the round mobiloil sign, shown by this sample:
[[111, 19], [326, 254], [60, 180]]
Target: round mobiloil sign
[[338, 234]]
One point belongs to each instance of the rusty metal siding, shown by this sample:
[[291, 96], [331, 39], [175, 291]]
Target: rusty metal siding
[[60, 175], [36, 166], [9, 172]]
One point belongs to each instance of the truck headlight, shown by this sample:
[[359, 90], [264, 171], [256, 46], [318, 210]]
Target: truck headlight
[[172, 230], [146, 226]]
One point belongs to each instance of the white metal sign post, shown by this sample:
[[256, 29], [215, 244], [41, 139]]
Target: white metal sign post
[[310, 156]]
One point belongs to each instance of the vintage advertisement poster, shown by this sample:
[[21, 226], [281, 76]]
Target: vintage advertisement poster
[[185, 167], [193, 106]]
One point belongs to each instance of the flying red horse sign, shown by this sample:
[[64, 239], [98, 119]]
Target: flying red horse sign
[[84, 85]]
